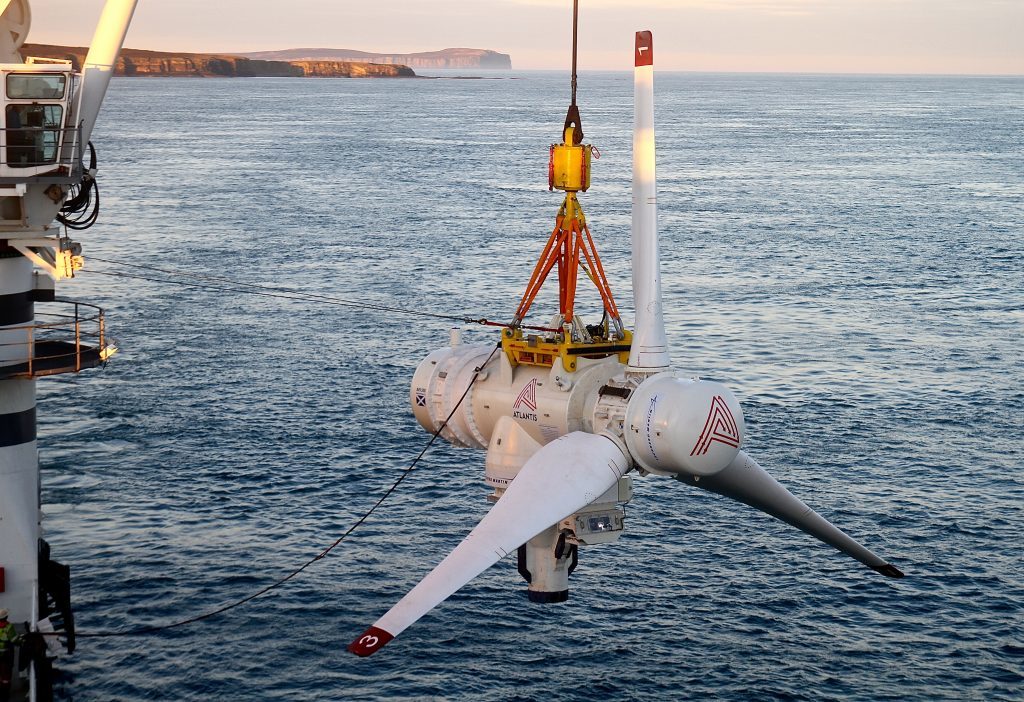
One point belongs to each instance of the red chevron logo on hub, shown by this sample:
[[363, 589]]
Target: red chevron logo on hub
[[720, 426]]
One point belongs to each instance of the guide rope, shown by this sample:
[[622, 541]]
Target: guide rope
[[80, 206], [222, 284], [281, 581]]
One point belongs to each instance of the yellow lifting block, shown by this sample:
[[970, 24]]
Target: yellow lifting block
[[569, 165]]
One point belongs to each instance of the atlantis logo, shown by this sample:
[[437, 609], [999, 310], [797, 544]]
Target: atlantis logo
[[525, 406]]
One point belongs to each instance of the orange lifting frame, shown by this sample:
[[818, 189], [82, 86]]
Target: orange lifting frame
[[563, 248]]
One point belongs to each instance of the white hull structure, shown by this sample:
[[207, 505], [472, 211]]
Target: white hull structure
[[49, 109]]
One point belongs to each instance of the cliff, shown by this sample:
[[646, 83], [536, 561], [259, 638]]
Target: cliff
[[446, 58], [136, 62], [350, 69]]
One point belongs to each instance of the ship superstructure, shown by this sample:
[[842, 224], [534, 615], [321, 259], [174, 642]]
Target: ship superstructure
[[47, 169]]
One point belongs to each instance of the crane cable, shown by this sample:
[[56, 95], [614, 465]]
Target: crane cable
[[572, 115], [281, 581], [575, 27]]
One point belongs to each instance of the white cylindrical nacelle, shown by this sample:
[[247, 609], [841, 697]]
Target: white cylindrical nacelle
[[438, 385], [649, 350], [683, 426], [545, 403]]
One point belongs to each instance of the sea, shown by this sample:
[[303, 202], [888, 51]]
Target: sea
[[844, 252]]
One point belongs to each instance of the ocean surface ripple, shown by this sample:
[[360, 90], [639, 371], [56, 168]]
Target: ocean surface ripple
[[844, 252]]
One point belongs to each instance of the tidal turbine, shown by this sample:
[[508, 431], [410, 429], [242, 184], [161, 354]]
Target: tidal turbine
[[564, 427]]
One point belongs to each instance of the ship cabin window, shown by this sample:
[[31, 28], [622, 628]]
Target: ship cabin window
[[34, 118], [36, 86], [33, 133]]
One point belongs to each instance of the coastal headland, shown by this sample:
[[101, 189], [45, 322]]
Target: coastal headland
[[138, 62], [292, 63]]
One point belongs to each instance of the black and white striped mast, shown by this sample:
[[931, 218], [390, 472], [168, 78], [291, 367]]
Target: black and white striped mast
[[40, 164]]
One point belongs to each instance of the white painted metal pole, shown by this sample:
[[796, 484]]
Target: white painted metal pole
[[102, 59], [649, 352]]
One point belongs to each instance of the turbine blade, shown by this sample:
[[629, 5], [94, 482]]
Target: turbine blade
[[745, 481], [560, 479], [649, 349]]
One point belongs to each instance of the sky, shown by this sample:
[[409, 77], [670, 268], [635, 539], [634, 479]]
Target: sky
[[818, 36]]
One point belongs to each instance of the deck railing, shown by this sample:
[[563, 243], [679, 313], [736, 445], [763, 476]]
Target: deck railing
[[55, 342], [40, 154]]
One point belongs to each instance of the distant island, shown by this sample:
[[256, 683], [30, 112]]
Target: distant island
[[298, 63], [445, 58], [137, 62]]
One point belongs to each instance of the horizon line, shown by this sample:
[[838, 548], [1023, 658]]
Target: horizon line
[[625, 69]]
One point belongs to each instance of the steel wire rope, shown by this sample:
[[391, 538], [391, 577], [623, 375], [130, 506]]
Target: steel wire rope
[[285, 293], [288, 294], [281, 581], [270, 288]]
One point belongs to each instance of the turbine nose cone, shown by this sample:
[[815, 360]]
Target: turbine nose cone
[[689, 426]]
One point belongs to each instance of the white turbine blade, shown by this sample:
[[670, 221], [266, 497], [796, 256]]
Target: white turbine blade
[[560, 479], [745, 481], [649, 351]]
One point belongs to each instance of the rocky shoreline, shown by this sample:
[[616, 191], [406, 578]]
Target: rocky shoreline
[[137, 62]]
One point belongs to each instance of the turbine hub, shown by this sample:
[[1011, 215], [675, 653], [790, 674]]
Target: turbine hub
[[689, 426]]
